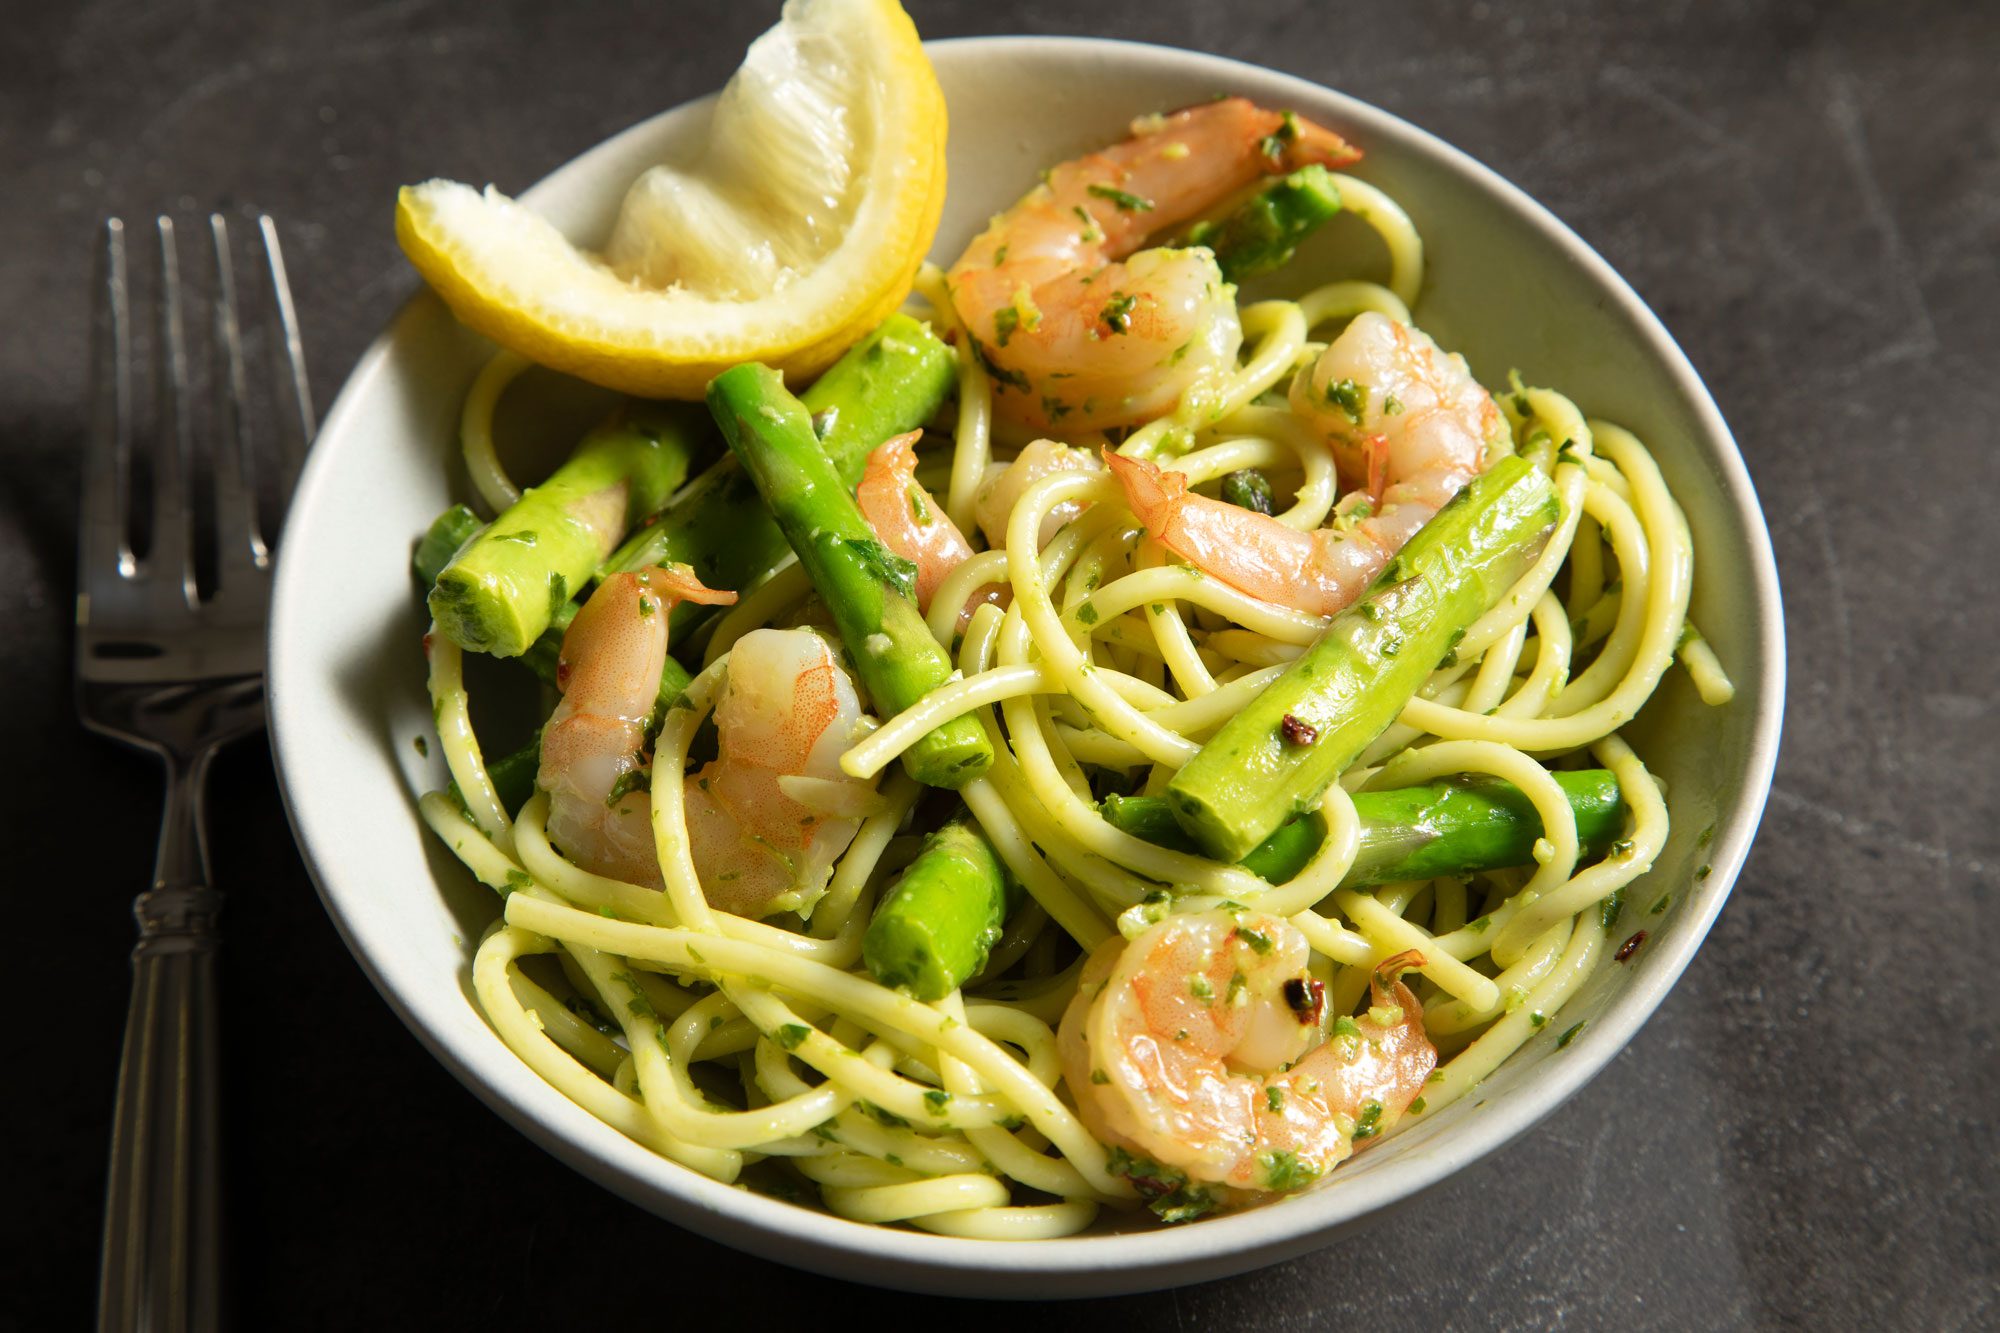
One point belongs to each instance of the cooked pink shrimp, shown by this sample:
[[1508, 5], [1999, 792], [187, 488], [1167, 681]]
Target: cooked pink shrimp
[[1201, 1046], [1005, 483], [1408, 422], [1071, 333], [594, 746], [772, 812], [909, 520]]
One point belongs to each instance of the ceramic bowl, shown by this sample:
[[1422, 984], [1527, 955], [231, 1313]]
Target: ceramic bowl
[[1508, 285]]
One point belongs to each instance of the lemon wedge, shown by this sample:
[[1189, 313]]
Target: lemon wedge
[[797, 229]]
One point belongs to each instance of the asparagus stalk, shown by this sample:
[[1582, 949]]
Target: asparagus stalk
[[1265, 231], [501, 590], [1442, 828], [447, 533], [1248, 489], [1277, 757], [937, 925], [866, 588]]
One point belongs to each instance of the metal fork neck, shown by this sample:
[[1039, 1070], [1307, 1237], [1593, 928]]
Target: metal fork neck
[[182, 861]]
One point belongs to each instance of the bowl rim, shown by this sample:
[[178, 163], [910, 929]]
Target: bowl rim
[[1128, 1261]]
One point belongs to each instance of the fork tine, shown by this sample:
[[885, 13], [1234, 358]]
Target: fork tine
[[172, 554], [241, 544], [294, 393], [103, 551]]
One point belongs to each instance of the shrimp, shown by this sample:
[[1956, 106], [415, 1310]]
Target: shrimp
[[1403, 418], [1004, 484], [1200, 1046], [594, 762], [772, 812], [1074, 321], [909, 520]]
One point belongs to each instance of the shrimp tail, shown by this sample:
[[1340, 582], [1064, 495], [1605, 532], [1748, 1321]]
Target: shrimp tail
[[1390, 969], [679, 583], [1154, 493]]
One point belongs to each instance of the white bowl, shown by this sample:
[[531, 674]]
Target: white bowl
[[1508, 285]]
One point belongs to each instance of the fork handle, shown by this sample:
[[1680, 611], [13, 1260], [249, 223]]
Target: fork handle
[[163, 1225]]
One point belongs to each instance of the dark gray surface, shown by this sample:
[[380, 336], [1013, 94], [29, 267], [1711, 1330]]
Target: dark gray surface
[[1803, 1135]]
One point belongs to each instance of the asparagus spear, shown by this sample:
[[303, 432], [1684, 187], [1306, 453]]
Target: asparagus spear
[[866, 588], [1277, 757], [1248, 489], [1441, 828], [1265, 231], [503, 587], [936, 926]]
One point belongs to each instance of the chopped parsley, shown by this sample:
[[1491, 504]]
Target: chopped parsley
[[936, 1099], [1259, 943], [1284, 1171], [1274, 1098], [1570, 1035], [1117, 312], [1127, 203], [1349, 397], [1370, 1123], [1166, 1191], [791, 1035], [637, 779], [1006, 321]]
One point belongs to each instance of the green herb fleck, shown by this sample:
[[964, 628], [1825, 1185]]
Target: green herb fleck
[[1284, 1171], [1370, 1123], [1127, 203], [936, 1099], [637, 779], [1349, 397], [1006, 322], [1259, 943], [791, 1035], [1274, 1098], [1570, 1035], [1117, 312]]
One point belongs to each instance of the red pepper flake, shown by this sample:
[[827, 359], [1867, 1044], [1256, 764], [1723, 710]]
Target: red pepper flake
[[1629, 947], [427, 646], [1306, 997], [1298, 731], [562, 675]]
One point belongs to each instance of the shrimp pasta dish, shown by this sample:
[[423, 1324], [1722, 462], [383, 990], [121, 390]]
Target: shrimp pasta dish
[[1100, 746]]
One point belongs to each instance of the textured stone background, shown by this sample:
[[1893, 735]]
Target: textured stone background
[[1809, 194]]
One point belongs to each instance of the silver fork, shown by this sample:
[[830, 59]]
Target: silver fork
[[165, 668]]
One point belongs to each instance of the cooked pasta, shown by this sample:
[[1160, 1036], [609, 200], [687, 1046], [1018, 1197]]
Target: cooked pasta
[[1098, 653]]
